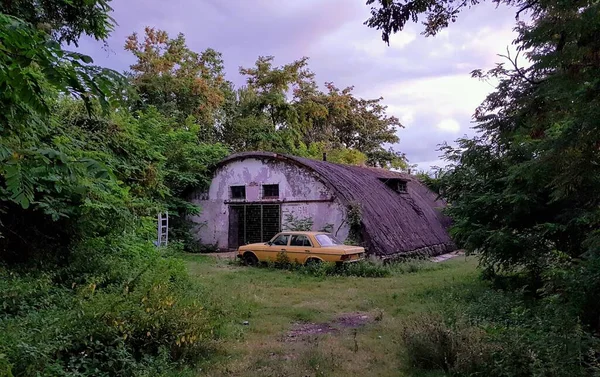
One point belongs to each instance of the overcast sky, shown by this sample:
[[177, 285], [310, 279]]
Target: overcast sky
[[424, 81]]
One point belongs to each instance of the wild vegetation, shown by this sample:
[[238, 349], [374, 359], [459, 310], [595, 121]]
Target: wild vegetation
[[90, 156], [523, 192]]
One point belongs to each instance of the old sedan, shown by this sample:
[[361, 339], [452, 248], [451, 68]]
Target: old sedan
[[301, 247]]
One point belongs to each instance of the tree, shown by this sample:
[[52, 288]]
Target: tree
[[176, 80], [65, 21], [282, 109], [524, 190], [390, 16], [36, 70]]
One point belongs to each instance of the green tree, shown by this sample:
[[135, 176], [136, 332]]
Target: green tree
[[178, 81], [65, 21], [523, 192], [390, 16], [282, 109], [36, 71]]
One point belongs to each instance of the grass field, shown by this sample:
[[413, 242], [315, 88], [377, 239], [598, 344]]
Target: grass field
[[288, 324]]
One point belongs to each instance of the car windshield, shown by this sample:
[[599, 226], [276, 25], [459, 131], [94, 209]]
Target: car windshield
[[327, 240]]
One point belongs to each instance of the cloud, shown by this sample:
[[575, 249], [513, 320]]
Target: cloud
[[424, 81], [449, 125]]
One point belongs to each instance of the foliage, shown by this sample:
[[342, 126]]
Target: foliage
[[64, 21], [431, 344], [99, 323], [349, 129], [293, 223], [354, 221], [536, 158], [327, 228], [178, 81], [365, 268], [522, 192], [35, 66], [390, 16], [480, 331], [84, 291]]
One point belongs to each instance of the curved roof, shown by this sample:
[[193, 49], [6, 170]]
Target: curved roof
[[393, 223]]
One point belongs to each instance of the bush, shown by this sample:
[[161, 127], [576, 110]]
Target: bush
[[431, 344], [481, 331], [132, 312]]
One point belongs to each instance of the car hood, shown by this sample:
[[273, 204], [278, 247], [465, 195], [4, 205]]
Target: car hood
[[252, 245]]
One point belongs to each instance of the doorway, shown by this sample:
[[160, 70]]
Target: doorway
[[253, 223]]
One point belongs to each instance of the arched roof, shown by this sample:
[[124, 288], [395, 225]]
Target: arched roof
[[393, 223]]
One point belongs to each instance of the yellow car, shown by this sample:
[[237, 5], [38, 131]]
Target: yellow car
[[301, 247]]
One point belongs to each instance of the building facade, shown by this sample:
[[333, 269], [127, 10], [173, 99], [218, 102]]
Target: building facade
[[252, 199], [255, 195]]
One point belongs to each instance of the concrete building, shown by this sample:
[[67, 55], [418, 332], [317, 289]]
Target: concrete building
[[255, 195]]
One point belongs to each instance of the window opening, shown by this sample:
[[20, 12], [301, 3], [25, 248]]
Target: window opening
[[238, 192]]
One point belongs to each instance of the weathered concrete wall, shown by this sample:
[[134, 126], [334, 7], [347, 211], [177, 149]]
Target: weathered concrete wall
[[295, 184]]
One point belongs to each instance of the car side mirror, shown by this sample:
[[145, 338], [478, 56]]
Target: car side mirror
[[270, 243]]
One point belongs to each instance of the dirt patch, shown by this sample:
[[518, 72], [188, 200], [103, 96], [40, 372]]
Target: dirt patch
[[344, 321], [300, 330], [353, 320]]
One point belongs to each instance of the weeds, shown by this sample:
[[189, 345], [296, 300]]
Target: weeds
[[431, 344], [369, 268], [481, 331]]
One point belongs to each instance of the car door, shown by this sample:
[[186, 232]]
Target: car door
[[299, 248], [279, 244]]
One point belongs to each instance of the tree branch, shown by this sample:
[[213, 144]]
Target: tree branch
[[527, 6], [516, 66]]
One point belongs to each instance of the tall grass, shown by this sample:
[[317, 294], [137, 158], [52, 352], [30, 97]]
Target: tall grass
[[479, 331], [368, 268]]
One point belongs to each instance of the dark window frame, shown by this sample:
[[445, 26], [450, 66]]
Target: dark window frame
[[289, 237], [232, 192], [306, 238], [270, 194], [399, 185]]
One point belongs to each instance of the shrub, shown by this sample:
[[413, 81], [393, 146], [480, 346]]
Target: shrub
[[431, 344], [480, 331], [133, 312]]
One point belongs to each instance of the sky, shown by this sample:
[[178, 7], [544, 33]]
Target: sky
[[425, 81]]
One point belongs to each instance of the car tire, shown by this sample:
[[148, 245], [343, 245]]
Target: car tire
[[313, 262], [250, 259]]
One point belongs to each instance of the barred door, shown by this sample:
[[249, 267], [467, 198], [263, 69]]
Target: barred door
[[253, 223]]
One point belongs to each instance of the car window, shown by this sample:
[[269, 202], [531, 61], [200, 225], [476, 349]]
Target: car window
[[300, 240], [281, 240], [327, 240]]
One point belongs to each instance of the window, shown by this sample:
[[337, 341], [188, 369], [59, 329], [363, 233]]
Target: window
[[300, 240], [398, 185], [327, 240], [281, 240], [238, 192], [270, 191]]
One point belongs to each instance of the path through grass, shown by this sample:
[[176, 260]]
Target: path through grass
[[299, 325]]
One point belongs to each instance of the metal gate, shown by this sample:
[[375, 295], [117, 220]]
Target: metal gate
[[253, 223]]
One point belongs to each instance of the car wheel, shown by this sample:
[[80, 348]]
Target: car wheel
[[312, 262], [250, 259]]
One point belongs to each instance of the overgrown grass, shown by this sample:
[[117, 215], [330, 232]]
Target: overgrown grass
[[274, 300], [436, 322], [477, 330], [121, 308], [368, 268]]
